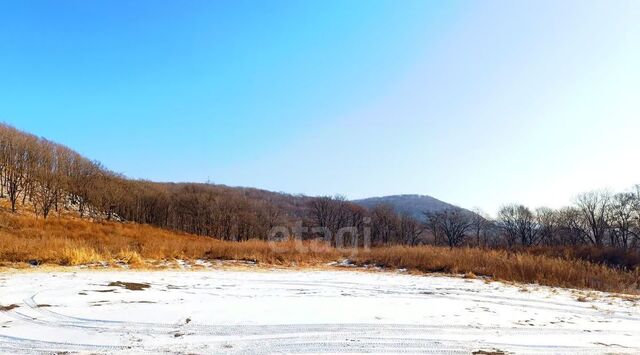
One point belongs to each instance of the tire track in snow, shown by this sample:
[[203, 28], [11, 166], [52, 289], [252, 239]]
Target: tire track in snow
[[433, 338], [248, 330]]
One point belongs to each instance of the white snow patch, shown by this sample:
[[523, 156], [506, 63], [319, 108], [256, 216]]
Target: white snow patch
[[203, 263], [304, 311]]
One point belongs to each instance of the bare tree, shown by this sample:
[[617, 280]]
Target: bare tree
[[332, 213], [453, 224], [16, 162], [432, 225], [82, 180], [593, 209], [480, 223], [50, 176], [519, 225], [622, 219], [547, 222], [384, 224], [570, 229], [410, 230]]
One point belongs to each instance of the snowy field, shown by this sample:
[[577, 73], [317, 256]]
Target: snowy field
[[202, 312]]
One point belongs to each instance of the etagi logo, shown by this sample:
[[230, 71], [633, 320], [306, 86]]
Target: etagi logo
[[348, 239]]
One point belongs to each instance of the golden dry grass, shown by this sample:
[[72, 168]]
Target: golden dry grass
[[70, 241], [502, 265]]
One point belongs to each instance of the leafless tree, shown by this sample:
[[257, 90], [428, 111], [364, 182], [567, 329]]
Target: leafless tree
[[593, 209], [16, 160], [623, 219], [333, 213], [410, 230], [570, 229], [453, 224], [384, 225], [519, 225], [480, 223], [547, 223]]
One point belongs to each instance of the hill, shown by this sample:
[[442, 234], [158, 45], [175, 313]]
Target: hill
[[412, 205], [47, 179]]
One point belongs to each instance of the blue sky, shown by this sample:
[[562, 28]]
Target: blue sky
[[478, 103]]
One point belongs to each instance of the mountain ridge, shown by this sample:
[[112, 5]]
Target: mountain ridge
[[414, 205]]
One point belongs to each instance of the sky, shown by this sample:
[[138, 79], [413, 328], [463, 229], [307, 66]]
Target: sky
[[477, 103]]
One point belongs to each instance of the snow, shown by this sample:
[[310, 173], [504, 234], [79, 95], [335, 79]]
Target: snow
[[278, 311]]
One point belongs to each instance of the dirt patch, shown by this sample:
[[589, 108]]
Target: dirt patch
[[489, 352], [8, 308], [610, 345], [470, 275], [98, 303], [132, 286], [44, 306]]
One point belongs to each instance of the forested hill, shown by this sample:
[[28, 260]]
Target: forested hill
[[47, 178], [412, 205]]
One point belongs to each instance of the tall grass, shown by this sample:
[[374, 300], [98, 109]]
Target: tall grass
[[503, 265], [70, 241], [616, 257]]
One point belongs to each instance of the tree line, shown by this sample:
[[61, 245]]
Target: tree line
[[596, 218], [46, 177]]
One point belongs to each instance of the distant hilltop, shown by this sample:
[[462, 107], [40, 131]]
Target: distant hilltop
[[412, 205]]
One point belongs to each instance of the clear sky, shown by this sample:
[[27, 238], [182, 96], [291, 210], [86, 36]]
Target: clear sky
[[478, 103]]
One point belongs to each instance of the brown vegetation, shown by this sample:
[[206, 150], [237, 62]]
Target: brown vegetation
[[593, 244], [71, 241], [610, 256], [499, 264], [47, 178]]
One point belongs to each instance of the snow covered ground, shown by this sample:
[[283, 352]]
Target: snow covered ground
[[275, 311]]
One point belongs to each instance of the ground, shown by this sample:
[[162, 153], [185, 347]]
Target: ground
[[280, 311]]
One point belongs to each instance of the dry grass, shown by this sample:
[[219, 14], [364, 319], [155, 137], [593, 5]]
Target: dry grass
[[70, 241], [616, 257], [502, 265]]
